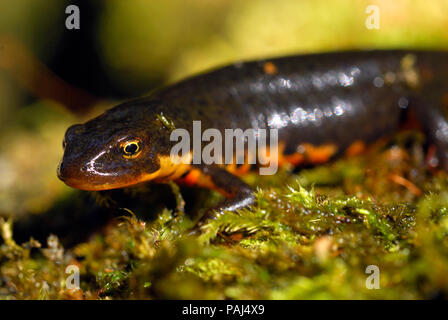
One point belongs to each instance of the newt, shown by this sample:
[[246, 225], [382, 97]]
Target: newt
[[322, 106]]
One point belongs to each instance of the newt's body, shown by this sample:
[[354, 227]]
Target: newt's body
[[322, 105]]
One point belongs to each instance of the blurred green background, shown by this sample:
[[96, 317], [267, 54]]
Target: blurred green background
[[126, 48]]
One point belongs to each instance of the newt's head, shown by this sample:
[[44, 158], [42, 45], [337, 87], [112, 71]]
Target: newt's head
[[121, 147]]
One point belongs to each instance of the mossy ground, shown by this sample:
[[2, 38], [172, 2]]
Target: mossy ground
[[311, 235]]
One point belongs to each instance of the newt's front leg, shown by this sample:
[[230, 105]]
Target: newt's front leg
[[237, 192]]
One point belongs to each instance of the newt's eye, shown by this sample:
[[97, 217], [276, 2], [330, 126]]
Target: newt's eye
[[131, 149]]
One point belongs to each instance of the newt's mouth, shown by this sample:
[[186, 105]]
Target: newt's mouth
[[75, 178], [90, 183], [100, 183]]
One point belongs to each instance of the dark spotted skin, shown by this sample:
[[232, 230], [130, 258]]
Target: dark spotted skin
[[331, 98]]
